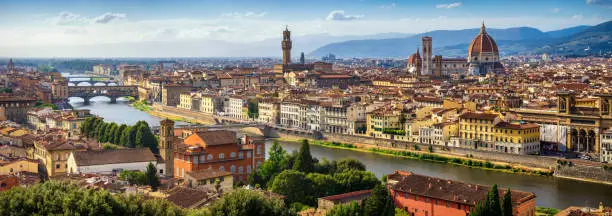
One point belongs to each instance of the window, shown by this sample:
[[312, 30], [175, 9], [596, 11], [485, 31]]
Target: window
[[195, 159], [221, 179], [57, 166], [241, 155], [248, 154], [221, 156], [222, 168], [248, 169], [233, 169], [202, 158], [11, 170], [212, 180], [233, 154], [240, 169], [210, 157], [258, 149]]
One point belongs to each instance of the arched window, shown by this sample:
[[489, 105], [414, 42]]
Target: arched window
[[248, 169], [222, 168], [233, 154], [210, 157], [202, 158], [240, 169], [233, 169]]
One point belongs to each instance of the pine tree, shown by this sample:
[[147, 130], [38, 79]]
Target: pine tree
[[492, 202], [507, 204], [303, 161], [152, 179]]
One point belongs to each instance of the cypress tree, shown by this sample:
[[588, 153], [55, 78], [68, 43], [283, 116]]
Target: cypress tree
[[118, 133], [303, 161], [493, 205], [125, 137], [479, 210], [507, 204], [101, 132], [152, 179]]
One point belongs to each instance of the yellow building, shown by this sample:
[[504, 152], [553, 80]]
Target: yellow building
[[476, 130], [383, 119], [185, 101], [517, 137], [19, 165], [53, 153], [209, 104]]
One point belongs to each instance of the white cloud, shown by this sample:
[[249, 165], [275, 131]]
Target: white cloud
[[556, 10], [339, 16], [68, 18], [449, 6], [388, 6], [243, 15], [577, 17], [108, 17]]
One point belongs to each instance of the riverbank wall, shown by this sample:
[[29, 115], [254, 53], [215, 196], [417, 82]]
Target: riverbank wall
[[581, 172], [576, 172]]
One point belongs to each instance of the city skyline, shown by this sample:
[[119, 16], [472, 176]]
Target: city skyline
[[68, 27]]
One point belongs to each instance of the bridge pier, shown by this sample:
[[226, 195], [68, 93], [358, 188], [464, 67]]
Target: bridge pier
[[113, 100], [86, 100]]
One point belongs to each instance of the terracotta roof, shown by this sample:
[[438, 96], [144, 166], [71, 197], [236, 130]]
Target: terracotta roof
[[475, 115], [346, 195], [207, 174], [188, 197], [89, 158], [482, 43], [446, 189], [217, 137]]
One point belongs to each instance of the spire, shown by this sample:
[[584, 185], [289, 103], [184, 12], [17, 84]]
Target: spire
[[482, 28]]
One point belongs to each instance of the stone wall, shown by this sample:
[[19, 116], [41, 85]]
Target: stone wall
[[584, 172], [527, 160]]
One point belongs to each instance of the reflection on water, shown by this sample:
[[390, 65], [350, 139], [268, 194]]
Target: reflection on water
[[120, 112], [550, 191]]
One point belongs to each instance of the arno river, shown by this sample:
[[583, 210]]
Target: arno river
[[550, 191]]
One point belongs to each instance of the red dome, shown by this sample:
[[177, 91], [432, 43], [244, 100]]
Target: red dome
[[414, 58], [482, 43]]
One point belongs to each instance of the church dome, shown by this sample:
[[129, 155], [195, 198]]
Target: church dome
[[482, 43], [414, 58]]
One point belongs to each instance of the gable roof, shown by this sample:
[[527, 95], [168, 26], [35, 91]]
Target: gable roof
[[220, 137], [116, 156]]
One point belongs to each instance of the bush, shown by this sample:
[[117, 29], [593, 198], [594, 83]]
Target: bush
[[488, 164]]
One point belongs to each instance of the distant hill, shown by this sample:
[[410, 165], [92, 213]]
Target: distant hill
[[593, 40], [453, 43]]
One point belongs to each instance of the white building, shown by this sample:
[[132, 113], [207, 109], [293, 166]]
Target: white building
[[109, 161], [236, 104], [606, 146]]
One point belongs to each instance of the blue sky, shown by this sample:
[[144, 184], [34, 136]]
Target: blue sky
[[86, 22]]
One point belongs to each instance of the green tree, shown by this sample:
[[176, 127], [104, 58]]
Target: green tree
[[247, 202], [347, 209], [295, 186], [479, 210], [379, 203], [145, 138], [493, 206], [101, 132], [354, 180], [270, 168], [347, 164], [253, 109], [63, 198], [304, 161], [323, 185], [125, 137], [507, 204], [118, 133], [85, 126], [152, 179]]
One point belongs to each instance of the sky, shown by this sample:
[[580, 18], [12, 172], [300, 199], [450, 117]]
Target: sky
[[26, 24]]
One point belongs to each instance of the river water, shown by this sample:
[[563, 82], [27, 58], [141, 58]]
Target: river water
[[550, 191]]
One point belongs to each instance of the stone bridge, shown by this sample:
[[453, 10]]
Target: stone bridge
[[112, 92], [91, 80]]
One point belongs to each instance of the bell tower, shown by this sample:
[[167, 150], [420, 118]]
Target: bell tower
[[166, 146], [286, 45]]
